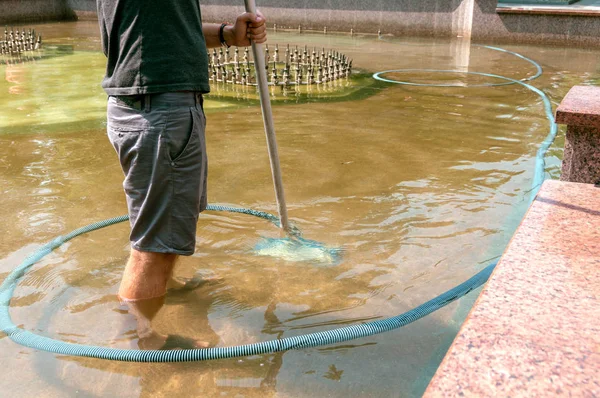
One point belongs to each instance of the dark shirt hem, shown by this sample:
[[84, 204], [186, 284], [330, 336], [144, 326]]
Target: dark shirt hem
[[165, 88]]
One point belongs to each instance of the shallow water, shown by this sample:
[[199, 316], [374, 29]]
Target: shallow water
[[421, 186]]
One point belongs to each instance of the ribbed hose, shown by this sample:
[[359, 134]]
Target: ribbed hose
[[32, 340], [35, 341]]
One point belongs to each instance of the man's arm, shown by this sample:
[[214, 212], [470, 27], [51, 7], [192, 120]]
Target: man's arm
[[247, 27]]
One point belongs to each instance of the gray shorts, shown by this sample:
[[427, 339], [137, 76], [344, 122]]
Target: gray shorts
[[159, 139]]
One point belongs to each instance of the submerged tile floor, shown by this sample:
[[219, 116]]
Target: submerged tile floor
[[535, 329]]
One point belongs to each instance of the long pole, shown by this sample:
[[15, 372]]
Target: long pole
[[265, 102]]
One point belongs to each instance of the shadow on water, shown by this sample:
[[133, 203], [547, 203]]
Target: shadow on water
[[256, 376], [360, 86]]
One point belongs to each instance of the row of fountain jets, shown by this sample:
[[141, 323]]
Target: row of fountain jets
[[301, 29], [16, 42], [295, 67]]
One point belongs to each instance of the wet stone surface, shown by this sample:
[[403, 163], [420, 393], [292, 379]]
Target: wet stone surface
[[580, 111]]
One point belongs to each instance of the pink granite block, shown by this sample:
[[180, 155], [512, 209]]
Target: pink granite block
[[581, 160], [580, 107], [567, 10], [535, 329], [580, 111]]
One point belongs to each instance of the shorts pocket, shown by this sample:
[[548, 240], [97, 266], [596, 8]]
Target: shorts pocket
[[119, 136], [126, 119], [132, 148], [182, 138]]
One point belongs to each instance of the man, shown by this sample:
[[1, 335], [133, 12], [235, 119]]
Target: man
[[157, 71]]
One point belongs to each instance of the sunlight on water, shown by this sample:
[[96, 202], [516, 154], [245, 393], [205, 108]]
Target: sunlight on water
[[299, 249], [420, 187]]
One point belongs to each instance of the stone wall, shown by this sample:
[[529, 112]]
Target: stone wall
[[559, 30], [398, 17], [477, 19], [17, 11], [83, 9]]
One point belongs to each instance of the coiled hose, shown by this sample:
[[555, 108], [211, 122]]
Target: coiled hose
[[32, 340], [540, 164]]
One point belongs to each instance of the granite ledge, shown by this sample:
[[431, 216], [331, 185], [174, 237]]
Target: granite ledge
[[548, 11], [580, 107], [534, 330]]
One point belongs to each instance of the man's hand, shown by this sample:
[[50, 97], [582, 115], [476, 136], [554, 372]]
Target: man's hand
[[248, 27]]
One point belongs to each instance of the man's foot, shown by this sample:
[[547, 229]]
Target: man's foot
[[180, 285]]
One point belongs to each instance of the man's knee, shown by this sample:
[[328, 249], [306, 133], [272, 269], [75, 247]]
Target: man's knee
[[146, 275], [152, 261]]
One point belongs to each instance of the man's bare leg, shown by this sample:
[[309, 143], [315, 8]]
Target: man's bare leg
[[146, 275], [143, 288]]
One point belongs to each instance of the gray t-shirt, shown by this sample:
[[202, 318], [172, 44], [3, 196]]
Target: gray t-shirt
[[153, 46]]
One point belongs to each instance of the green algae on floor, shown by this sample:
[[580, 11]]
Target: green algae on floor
[[57, 90]]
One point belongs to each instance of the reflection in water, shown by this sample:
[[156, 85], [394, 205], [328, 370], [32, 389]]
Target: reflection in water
[[255, 376], [421, 186], [15, 76]]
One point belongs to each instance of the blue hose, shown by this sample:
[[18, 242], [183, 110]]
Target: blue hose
[[32, 340], [35, 341]]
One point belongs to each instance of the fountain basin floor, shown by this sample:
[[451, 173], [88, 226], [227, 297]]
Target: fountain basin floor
[[422, 186]]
